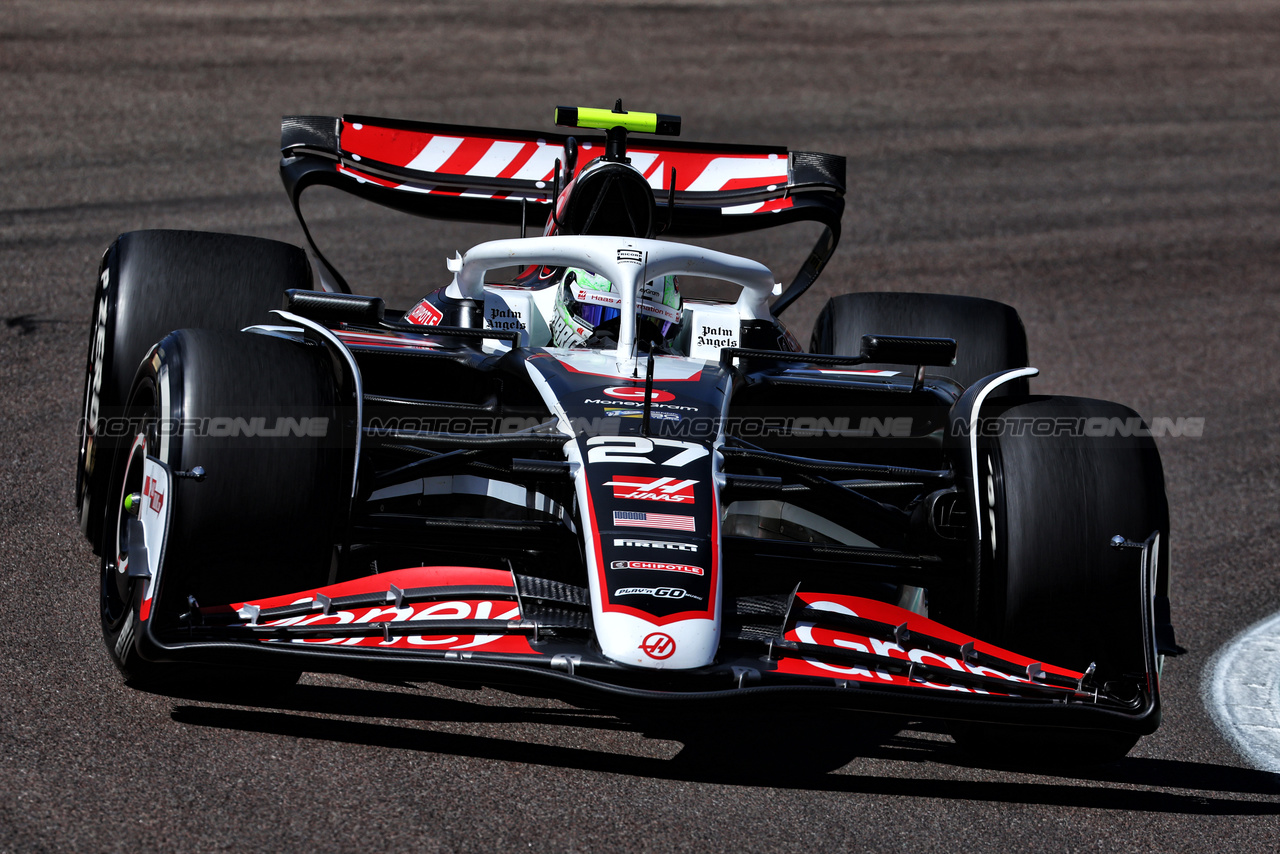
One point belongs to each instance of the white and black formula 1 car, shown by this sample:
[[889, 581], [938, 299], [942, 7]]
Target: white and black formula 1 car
[[580, 483]]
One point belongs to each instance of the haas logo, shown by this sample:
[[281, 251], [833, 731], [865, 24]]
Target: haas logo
[[653, 488], [658, 646], [636, 393]]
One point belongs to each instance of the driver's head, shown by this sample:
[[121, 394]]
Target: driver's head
[[588, 308]]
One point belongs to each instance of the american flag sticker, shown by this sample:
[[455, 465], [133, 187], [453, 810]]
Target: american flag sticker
[[660, 521]]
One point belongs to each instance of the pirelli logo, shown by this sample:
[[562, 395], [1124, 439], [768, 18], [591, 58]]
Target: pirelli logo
[[622, 542]]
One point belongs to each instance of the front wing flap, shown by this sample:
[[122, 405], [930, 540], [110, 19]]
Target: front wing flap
[[493, 627]]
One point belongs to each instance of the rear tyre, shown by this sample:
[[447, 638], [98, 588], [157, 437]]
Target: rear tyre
[[989, 335], [150, 283], [1059, 479], [259, 415]]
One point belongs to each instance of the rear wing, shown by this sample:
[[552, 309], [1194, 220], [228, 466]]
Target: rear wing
[[508, 177]]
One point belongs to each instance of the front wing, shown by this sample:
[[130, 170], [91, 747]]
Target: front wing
[[495, 627]]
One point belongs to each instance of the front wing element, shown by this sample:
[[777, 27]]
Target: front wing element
[[494, 627]]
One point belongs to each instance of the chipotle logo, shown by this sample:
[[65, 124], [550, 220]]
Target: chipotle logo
[[425, 314], [656, 565]]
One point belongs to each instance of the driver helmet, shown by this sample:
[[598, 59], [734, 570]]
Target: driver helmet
[[588, 306]]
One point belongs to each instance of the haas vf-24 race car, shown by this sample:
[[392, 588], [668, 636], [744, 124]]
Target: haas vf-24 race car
[[581, 481]]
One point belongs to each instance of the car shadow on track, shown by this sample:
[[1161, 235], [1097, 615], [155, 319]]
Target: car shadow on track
[[774, 752]]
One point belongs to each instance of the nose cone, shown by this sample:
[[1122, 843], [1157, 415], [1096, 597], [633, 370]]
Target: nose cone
[[681, 645]]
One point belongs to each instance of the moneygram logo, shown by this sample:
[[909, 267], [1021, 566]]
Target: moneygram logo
[[636, 393], [653, 489]]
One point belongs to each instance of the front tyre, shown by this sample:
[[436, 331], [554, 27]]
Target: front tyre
[[1058, 477], [259, 416], [150, 283]]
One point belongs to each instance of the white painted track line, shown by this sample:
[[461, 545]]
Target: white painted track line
[[1242, 691]]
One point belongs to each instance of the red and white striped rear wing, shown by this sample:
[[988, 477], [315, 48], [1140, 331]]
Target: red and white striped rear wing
[[507, 177]]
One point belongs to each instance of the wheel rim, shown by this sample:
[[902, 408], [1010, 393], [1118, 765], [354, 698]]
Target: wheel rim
[[116, 587]]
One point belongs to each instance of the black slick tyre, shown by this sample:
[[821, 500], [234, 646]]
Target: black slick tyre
[[1058, 478], [259, 416], [989, 335], [150, 283]]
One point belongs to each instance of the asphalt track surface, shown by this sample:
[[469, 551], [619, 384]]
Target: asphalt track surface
[[1110, 168], [1242, 691]]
